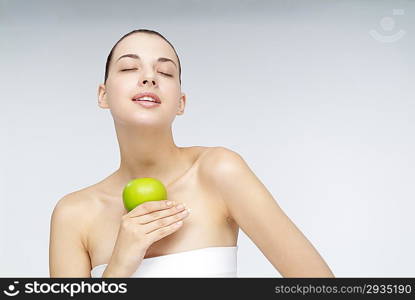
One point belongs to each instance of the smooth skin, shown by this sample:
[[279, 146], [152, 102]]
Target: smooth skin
[[91, 227], [258, 214]]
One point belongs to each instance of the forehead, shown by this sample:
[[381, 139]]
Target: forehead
[[147, 46]]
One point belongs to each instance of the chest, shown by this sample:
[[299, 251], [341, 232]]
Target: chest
[[207, 225]]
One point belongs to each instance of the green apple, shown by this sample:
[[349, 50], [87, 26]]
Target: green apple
[[141, 190]]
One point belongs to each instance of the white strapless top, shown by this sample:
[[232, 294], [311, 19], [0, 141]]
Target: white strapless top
[[204, 262]]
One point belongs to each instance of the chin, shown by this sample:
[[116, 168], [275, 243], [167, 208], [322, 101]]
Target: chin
[[147, 123]]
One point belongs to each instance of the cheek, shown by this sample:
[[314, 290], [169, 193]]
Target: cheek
[[117, 89], [170, 88], [173, 100]]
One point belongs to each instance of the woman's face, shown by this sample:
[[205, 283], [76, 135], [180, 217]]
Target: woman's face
[[128, 76]]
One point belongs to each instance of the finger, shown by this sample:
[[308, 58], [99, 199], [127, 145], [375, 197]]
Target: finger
[[150, 206], [163, 222], [160, 233], [155, 215]]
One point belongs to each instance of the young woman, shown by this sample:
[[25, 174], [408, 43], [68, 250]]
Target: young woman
[[93, 235]]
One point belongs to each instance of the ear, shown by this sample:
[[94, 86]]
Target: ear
[[182, 104], [102, 96]]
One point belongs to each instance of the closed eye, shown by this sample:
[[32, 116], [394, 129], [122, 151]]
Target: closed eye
[[166, 74], [137, 69]]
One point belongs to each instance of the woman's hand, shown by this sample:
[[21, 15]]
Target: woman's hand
[[139, 229]]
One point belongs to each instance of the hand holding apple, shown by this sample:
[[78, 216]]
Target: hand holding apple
[[141, 227]]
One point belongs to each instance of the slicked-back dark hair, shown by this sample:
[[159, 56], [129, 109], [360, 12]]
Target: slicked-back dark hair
[[148, 31]]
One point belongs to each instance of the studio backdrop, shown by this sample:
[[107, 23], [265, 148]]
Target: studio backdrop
[[316, 96]]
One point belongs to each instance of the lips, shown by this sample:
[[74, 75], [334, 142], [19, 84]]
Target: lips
[[146, 94], [147, 104]]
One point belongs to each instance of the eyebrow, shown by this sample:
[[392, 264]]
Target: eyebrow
[[135, 56]]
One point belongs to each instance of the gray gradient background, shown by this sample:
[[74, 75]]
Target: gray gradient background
[[321, 110]]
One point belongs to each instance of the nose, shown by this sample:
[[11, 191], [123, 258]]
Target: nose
[[147, 79], [148, 82]]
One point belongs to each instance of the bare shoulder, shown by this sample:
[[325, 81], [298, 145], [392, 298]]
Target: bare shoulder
[[68, 254], [219, 168], [220, 161], [72, 208], [76, 201]]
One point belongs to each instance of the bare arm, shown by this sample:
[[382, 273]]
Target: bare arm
[[257, 213], [68, 256]]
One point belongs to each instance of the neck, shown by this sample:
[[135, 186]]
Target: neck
[[147, 152]]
